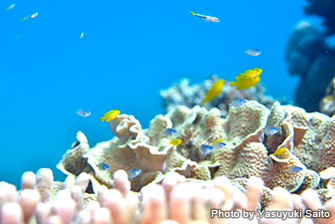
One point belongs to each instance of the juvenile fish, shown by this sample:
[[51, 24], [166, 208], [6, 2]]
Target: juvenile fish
[[206, 18], [31, 16], [132, 173], [253, 52], [11, 6], [205, 149], [110, 115], [238, 103], [168, 132], [294, 169], [83, 113], [218, 143], [102, 166], [175, 141], [213, 91], [269, 130], [279, 151]]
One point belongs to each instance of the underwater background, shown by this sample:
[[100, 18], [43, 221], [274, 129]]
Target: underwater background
[[130, 51]]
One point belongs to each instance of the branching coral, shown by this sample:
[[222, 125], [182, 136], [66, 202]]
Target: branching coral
[[175, 200]]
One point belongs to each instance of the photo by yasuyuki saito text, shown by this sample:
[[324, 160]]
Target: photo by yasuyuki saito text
[[273, 214]]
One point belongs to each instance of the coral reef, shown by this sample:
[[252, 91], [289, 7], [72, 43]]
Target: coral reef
[[178, 184], [309, 56], [175, 200], [182, 94], [327, 103], [248, 152]]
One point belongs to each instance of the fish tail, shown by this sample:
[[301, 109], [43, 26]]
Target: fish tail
[[233, 83], [204, 101], [102, 119]]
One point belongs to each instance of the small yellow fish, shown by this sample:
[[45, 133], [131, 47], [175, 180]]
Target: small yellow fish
[[279, 151], [248, 79], [82, 34], [110, 115], [175, 141], [213, 91], [218, 140]]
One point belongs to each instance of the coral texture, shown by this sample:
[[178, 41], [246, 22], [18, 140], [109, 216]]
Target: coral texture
[[179, 183], [248, 151], [182, 94], [175, 200]]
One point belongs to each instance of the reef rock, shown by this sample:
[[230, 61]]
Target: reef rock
[[248, 151]]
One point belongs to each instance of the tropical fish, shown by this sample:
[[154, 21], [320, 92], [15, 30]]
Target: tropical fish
[[218, 143], [238, 102], [248, 79], [82, 34], [294, 169], [205, 149], [83, 113], [168, 132], [31, 16], [213, 91], [102, 166], [132, 173], [269, 130], [11, 6], [110, 115], [207, 18], [175, 141], [253, 52], [279, 151]]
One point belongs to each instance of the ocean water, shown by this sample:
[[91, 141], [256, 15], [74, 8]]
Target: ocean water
[[129, 52]]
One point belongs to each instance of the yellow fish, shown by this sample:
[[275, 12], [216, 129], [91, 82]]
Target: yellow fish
[[218, 140], [175, 141], [279, 151], [213, 91], [248, 79], [110, 115]]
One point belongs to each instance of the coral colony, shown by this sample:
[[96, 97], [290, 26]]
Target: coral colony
[[253, 176]]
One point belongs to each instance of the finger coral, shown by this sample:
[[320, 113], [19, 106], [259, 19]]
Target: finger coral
[[175, 200]]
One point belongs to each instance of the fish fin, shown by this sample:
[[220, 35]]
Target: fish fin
[[102, 119]]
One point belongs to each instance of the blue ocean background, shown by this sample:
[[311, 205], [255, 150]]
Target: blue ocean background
[[129, 52]]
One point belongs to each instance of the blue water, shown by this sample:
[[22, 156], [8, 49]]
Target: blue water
[[130, 50]]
